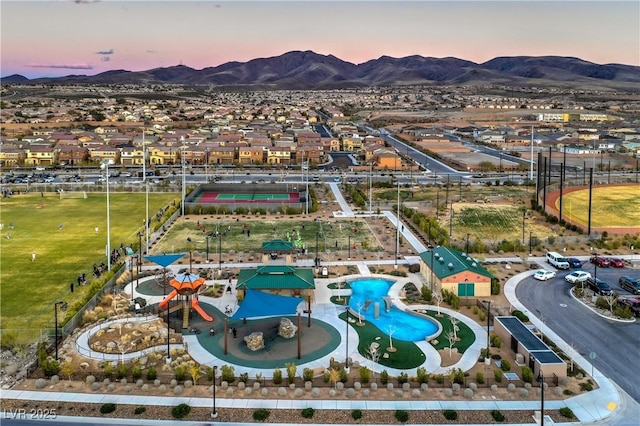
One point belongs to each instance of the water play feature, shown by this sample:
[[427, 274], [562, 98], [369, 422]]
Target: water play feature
[[369, 292]]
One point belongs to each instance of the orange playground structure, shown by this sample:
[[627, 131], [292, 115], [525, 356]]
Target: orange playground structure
[[186, 288]]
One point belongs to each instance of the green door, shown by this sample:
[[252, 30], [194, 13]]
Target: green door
[[466, 289]]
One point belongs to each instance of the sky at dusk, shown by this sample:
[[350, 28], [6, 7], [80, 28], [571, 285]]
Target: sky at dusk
[[87, 37]]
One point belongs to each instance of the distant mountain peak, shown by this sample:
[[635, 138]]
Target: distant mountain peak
[[306, 69]]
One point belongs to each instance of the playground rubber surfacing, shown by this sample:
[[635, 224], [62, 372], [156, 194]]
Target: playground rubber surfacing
[[317, 341]]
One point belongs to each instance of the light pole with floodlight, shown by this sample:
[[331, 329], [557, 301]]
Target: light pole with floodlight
[[105, 165]]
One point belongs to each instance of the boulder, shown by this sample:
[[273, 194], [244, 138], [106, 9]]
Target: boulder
[[255, 341], [286, 328]]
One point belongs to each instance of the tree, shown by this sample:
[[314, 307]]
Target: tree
[[454, 326], [437, 298], [391, 328], [451, 340], [359, 307], [373, 353]]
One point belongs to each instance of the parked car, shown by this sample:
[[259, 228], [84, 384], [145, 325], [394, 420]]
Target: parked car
[[577, 277], [632, 285], [632, 302], [574, 262], [544, 275], [616, 262], [599, 286], [601, 262]]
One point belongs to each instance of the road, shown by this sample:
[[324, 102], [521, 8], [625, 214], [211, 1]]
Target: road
[[614, 343]]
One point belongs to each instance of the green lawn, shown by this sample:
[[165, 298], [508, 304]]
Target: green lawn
[[408, 355], [29, 288]]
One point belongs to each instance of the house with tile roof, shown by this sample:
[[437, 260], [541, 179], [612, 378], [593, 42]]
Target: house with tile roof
[[450, 269]]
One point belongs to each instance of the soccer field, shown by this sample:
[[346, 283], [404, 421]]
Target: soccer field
[[62, 233]]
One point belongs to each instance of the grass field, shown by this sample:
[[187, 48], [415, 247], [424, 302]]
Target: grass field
[[611, 206], [29, 288], [269, 228], [494, 222]]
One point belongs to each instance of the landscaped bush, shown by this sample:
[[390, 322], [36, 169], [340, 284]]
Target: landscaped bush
[[277, 376], [480, 377], [261, 414], [566, 412], [498, 375], [136, 372], [520, 315], [384, 377], [365, 374], [152, 374], [107, 408], [180, 411], [450, 414], [496, 341], [527, 374], [307, 375], [401, 416], [139, 410], [497, 415], [228, 373], [586, 386], [308, 412], [403, 378], [422, 375], [356, 414], [505, 365]]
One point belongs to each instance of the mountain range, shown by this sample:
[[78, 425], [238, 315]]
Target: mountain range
[[309, 70]]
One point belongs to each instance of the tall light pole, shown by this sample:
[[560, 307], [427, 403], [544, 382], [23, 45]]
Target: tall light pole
[[131, 275], [184, 191], [488, 303], [349, 248], [63, 307], [541, 380], [190, 245], [370, 187], [146, 222], [219, 254], [395, 260], [524, 216], [346, 357], [214, 413], [105, 165]]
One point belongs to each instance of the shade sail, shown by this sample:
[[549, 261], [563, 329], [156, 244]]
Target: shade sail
[[261, 304], [186, 283], [164, 260]]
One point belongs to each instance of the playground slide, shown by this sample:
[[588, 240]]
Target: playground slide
[[163, 304], [195, 305]]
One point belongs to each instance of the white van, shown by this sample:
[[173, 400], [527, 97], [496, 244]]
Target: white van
[[557, 260]]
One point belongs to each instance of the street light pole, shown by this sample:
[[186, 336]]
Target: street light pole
[[395, 260], [530, 243], [131, 275], [349, 248], [488, 303], [346, 357], [541, 380], [214, 413], [524, 216]]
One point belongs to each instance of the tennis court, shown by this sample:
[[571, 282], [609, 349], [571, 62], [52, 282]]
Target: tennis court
[[208, 197]]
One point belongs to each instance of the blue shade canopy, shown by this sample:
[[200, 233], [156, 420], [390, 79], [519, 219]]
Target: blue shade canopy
[[164, 260], [259, 304]]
